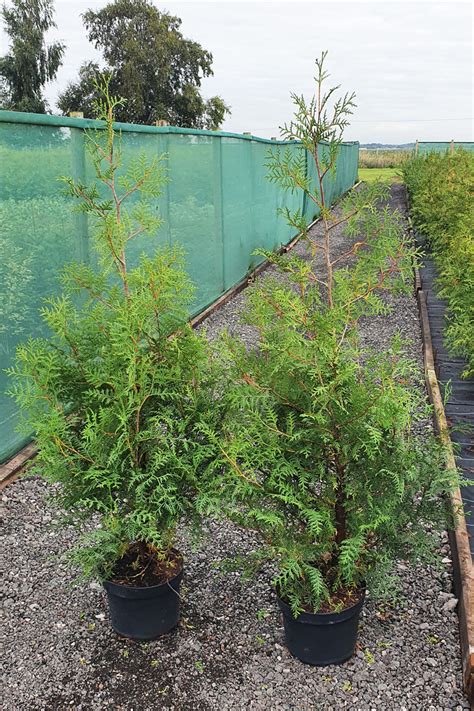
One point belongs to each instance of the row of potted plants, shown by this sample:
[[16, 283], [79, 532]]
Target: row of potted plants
[[308, 439]]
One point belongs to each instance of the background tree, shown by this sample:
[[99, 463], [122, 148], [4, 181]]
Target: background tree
[[31, 62], [150, 63]]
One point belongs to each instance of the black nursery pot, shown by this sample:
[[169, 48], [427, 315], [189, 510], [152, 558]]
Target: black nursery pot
[[144, 613], [322, 638]]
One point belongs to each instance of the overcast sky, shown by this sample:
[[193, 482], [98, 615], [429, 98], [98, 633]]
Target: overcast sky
[[410, 64]]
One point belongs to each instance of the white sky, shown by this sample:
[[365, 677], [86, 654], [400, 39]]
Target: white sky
[[410, 63]]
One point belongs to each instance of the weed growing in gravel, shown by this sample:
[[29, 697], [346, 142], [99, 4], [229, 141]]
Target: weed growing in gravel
[[369, 657], [317, 451]]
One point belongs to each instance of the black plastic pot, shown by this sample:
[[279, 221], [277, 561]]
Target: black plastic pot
[[144, 613], [322, 638]]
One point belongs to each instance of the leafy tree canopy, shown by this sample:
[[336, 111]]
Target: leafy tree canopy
[[150, 63], [30, 63]]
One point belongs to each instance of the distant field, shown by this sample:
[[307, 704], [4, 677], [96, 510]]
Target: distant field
[[381, 164], [380, 158]]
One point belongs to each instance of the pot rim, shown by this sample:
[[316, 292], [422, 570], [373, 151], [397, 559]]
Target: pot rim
[[315, 618]]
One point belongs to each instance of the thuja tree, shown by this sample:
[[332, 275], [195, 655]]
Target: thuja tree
[[115, 393], [317, 450]]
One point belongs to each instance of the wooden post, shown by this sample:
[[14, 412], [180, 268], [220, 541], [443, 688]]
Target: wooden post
[[417, 147], [76, 114], [161, 122], [451, 148], [458, 536]]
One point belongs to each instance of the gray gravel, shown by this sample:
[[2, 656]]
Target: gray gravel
[[59, 651]]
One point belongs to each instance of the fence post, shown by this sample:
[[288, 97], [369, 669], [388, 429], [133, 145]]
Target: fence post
[[165, 138], [417, 147], [218, 198], [250, 148], [451, 148], [78, 149]]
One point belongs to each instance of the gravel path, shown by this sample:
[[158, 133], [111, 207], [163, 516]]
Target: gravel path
[[59, 651]]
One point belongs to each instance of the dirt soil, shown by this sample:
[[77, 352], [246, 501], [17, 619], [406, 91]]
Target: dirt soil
[[143, 567]]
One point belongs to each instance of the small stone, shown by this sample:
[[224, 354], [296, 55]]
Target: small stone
[[450, 605], [445, 596]]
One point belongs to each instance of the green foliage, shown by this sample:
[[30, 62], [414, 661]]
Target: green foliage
[[441, 189], [31, 62], [115, 394], [317, 450], [214, 113], [81, 95], [150, 63]]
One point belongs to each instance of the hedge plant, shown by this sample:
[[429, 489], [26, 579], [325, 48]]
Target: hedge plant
[[115, 394], [441, 189], [319, 451]]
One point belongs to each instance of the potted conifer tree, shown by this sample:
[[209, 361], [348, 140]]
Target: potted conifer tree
[[115, 393], [318, 451]]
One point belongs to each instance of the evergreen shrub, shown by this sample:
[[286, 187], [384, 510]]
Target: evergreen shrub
[[320, 451], [115, 393]]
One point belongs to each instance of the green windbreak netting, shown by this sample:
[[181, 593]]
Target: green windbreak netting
[[441, 146], [218, 205]]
